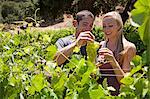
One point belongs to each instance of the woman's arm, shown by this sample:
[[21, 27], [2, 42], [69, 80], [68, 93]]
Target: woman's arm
[[129, 54]]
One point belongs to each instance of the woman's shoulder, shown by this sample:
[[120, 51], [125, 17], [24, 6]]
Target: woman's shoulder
[[129, 47], [102, 43]]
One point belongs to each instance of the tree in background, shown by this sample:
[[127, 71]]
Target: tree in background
[[52, 10], [104, 6], [14, 10]]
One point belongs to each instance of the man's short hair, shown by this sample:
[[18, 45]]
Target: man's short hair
[[83, 13]]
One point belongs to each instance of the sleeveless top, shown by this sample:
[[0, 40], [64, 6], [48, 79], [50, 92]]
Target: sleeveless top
[[107, 72]]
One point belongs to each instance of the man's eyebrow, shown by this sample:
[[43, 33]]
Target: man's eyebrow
[[85, 22]]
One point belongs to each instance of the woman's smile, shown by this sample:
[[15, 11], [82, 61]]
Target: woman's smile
[[107, 33]]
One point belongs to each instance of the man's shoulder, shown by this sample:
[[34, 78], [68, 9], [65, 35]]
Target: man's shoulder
[[62, 42], [70, 37], [67, 39]]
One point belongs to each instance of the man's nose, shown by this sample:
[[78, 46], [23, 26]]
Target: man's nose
[[88, 28]]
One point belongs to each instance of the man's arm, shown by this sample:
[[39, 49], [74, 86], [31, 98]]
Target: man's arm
[[63, 54]]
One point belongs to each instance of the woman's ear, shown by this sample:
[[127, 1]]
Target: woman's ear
[[119, 28], [75, 23]]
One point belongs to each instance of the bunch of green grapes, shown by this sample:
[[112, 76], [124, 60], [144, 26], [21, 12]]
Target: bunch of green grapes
[[91, 50]]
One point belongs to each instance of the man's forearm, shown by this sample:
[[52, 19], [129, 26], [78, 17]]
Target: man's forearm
[[62, 55]]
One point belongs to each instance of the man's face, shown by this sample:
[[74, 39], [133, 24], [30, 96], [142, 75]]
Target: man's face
[[85, 24]]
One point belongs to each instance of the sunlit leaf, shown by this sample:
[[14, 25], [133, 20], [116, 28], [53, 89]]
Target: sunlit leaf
[[127, 80], [135, 69], [137, 60], [28, 49], [46, 38], [31, 90], [51, 51], [97, 93], [12, 81], [141, 15], [86, 75], [38, 82], [142, 10], [60, 84], [76, 49]]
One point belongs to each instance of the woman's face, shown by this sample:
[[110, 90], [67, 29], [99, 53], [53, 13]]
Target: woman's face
[[110, 27]]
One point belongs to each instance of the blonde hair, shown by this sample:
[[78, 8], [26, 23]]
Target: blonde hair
[[116, 16], [120, 47]]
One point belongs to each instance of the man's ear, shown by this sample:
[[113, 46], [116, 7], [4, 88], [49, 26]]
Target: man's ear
[[75, 23]]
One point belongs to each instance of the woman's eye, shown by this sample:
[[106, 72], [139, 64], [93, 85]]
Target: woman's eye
[[110, 25], [104, 26]]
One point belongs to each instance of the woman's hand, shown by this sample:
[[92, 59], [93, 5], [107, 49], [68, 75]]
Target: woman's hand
[[106, 56]]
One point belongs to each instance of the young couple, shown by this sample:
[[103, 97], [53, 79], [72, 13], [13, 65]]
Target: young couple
[[115, 49]]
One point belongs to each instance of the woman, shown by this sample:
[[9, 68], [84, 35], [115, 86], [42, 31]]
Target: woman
[[115, 53]]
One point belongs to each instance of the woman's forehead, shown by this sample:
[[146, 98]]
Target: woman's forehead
[[109, 20]]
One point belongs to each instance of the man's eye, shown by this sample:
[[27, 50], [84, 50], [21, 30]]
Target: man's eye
[[84, 24], [91, 25], [110, 25]]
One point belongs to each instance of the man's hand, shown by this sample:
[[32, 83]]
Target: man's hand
[[84, 37]]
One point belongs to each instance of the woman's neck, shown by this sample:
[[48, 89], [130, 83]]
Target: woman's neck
[[112, 43]]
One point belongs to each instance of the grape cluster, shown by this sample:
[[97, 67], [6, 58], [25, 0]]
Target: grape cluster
[[91, 50]]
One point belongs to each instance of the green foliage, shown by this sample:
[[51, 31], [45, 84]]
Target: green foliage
[[27, 70], [141, 15], [131, 34], [98, 33], [25, 57], [96, 6], [135, 84], [17, 10], [52, 9]]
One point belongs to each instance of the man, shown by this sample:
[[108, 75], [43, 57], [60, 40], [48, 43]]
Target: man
[[83, 23]]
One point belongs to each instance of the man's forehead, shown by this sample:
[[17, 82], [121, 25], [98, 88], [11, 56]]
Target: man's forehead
[[87, 18]]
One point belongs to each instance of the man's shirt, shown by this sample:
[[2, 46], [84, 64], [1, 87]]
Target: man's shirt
[[63, 42]]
